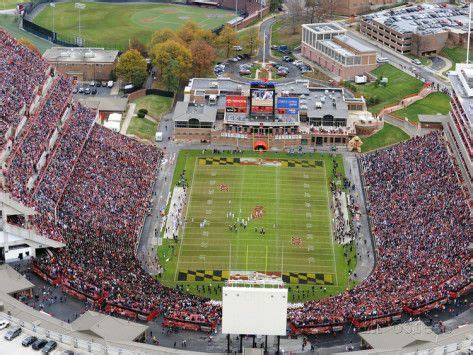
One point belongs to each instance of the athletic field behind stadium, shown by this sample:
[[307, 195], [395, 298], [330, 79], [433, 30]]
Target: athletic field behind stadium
[[268, 214], [109, 24]]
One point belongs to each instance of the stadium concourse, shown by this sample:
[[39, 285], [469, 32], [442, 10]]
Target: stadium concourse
[[91, 189]]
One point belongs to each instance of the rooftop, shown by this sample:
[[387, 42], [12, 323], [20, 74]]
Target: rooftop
[[423, 19], [462, 83], [326, 27], [354, 43], [13, 281], [82, 55]]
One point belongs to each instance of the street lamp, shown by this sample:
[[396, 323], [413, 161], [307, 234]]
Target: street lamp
[[79, 6]]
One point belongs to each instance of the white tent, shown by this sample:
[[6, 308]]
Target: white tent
[[112, 125]]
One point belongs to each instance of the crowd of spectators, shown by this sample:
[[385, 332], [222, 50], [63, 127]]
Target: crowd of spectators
[[422, 227], [35, 139], [92, 193], [21, 72]]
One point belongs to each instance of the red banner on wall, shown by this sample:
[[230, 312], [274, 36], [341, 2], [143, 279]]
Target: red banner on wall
[[236, 101]]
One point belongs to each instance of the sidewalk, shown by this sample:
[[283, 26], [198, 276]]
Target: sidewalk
[[127, 120]]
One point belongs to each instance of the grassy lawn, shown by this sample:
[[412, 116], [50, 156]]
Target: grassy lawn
[[112, 25], [432, 104], [8, 23], [8, 4], [156, 105], [456, 55], [142, 128], [281, 33], [388, 135], [400, 85], [298, 241]]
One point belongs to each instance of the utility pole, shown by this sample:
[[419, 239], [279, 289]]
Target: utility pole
[[79, 7]]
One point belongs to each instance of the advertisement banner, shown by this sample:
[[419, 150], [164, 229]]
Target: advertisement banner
[[236, 101], [287, 103]]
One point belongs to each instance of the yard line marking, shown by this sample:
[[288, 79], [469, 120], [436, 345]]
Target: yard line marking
[[187, 211]]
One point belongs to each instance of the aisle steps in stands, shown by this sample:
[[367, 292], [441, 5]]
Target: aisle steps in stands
[[44, 156]]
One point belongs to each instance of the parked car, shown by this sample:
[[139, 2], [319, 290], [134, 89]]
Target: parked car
[[93, 91], [110, 84], [282, 73], [12, 333], [74, 91], [67, 352], [28, 340], [237, 48], [235, 59], [275, 47], [416, 61], [98, 84], [92, 83], [287, 58], [104, 84], [50, 346], [4, 324], [80, 90], [298, 63], [380, 60], [39, 344], [87, 91]]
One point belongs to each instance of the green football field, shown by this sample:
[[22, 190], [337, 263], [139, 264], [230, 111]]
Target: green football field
[[249, 214], [112, 25]]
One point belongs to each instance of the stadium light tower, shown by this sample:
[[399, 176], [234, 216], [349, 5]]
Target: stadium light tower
[[469, 32], [79, 6], [53, 6]]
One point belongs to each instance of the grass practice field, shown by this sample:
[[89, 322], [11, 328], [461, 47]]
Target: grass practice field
[[248, 215], [101, 22]]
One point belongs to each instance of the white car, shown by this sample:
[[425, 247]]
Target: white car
[[297, 62], [92, 83], [110, 84], [4, 324]]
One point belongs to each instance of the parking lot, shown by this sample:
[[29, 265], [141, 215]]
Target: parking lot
[[84, 88], [242, 69], [14, 346]]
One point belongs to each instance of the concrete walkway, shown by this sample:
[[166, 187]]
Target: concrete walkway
[[407, 101], [127, 120]]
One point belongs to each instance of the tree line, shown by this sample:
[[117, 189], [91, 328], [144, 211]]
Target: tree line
[[191, 51]]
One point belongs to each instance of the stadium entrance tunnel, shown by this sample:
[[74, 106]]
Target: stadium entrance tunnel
[[260, 145]]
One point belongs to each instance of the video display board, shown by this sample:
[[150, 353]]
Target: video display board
[[259, 311], [262, 96]]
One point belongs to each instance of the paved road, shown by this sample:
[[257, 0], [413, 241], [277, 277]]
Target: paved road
[[265, 38]]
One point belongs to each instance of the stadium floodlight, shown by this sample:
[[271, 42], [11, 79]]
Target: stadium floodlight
[[79, 6], [53, 6]]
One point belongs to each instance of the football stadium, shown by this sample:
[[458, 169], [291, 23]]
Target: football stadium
[[252, 223]]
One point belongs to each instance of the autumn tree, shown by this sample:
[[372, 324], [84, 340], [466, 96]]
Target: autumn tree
[[161, 36], [135, 43], [27, 43], [191, 32], [227, 39], [170, 75], [131, 67], [294, 15], [203, 57], [163, 53], [251, 40]]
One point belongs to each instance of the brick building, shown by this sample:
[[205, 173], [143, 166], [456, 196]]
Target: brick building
[[420, 30], [357, 7], [83, 64], [327, 45]]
